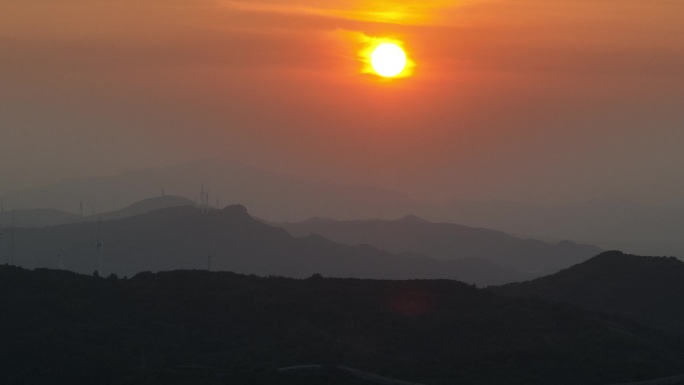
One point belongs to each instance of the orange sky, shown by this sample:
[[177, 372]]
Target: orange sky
[[535, 100]]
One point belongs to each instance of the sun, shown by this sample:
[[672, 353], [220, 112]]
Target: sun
[[388, 60], [385, 58]]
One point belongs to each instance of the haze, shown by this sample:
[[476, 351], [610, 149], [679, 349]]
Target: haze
[[544, 102]]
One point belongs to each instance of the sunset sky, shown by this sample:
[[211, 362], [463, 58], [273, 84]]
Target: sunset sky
[[536, 101]]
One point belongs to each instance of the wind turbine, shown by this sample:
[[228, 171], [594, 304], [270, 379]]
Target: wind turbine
[[98, 245], [2, 211], [204, 199], [12, 240]]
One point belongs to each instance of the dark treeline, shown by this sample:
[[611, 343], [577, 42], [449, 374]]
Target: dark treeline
[[199, 327]]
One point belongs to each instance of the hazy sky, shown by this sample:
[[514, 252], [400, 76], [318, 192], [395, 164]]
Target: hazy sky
[[545, 101]]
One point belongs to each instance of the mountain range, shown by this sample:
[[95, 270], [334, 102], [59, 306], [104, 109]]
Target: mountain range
[[53, 217], [269, 195], [188, 237], [478, 256], [608, 224], [447, 241]]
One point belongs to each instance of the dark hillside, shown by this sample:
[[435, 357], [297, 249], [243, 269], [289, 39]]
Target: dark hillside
[[649, 290], [223, 328]]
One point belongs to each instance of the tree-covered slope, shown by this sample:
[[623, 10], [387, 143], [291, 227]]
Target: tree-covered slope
[[59, 327], [649, 290]]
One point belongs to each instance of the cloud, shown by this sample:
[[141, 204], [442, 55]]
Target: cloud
[[378, 11]]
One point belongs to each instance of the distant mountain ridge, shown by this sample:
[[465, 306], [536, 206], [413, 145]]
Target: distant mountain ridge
[[268, 194], [144, 206], [36, 218], [649, 290], [482, 257], [186, 237], [52, 217], [448, 241], [608, 224]]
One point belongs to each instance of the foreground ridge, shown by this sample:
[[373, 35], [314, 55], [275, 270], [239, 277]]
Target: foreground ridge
[[154, 327], [673, 380], [344, 370]]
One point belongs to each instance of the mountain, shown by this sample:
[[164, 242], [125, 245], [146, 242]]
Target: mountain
[[649, 290], [188, 237], [52, 217], [268, 194], [144, 206], [609, 224], [36, 218], [200, 327], [450, 242]]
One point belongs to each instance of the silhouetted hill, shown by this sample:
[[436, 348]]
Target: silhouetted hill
[[268, 194], [197, 327], [143, 207], [186, 237], [649, 290], [51, 217], [450, 242]]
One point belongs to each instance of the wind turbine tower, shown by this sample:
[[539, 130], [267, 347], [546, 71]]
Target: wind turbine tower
[[1, 212], [204, 199], [98, 245], [12, 241]]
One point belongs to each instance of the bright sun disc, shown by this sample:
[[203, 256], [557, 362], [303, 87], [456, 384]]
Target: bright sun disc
[[388, 60]]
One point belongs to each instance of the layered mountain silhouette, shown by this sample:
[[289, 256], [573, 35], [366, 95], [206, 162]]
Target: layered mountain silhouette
[[199, 327], [144, 206], [187, 237], [609, 224], [649, 290], [447, 241], [483, 257], [268, 194], [36, 218], [52, 217]]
